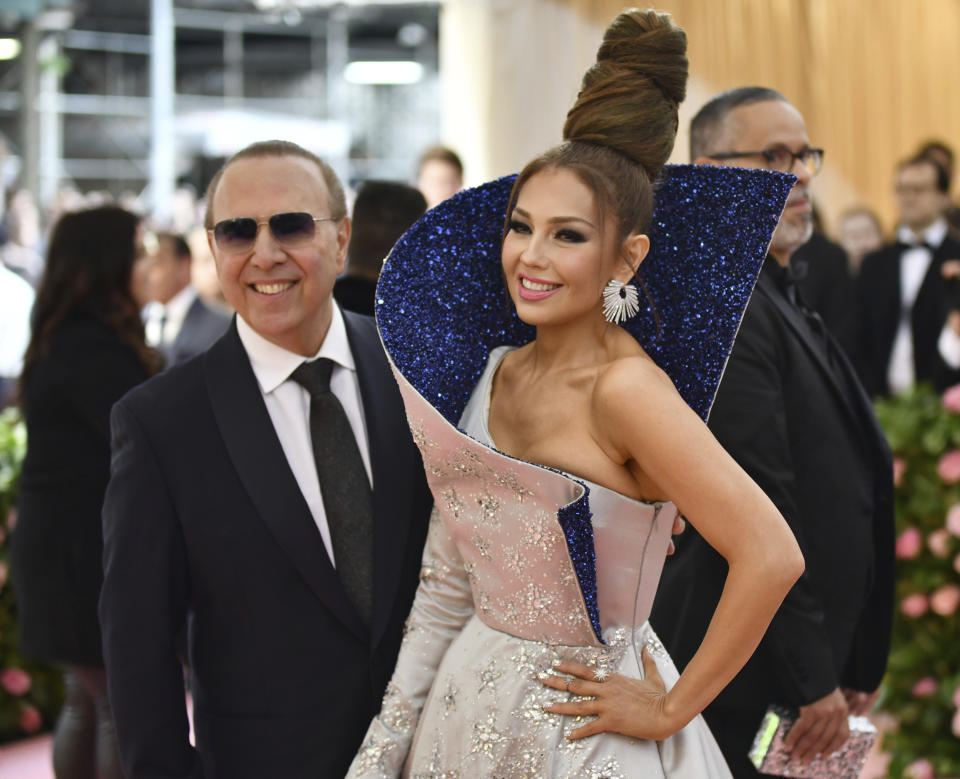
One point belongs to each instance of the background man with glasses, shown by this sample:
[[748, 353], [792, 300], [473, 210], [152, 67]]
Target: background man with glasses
[[791, 411], [904, 298], [270, 487]]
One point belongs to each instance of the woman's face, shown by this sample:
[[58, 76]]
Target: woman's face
[[556, 255]]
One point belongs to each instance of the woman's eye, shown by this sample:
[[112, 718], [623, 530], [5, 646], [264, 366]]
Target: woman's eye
[[570, 236], [518, 227]]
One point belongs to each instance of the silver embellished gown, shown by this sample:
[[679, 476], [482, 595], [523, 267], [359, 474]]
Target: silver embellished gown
[[512, 580]]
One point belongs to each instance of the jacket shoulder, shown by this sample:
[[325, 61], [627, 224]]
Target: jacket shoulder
[[167, 394]]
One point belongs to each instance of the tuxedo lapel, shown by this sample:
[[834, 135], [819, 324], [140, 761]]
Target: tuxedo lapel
[[796, 321], [184, 341], [261, 464], [390, 460]]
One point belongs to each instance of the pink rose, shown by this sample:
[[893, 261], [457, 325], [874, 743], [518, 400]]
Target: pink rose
[[953, 521], [948, 469], [909, 544], [924, 688], [951, 399], [914, 605], [939, 542], [945, 600], [919, 769], [899, 468], [30, 719], [15, 681]]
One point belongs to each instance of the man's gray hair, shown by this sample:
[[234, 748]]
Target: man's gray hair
[[706, 126]]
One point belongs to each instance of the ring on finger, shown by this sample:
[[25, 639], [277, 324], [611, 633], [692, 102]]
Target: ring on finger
[[568, 684]]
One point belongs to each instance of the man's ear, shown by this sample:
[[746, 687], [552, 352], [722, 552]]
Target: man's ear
[[344, 228], [635, 249]]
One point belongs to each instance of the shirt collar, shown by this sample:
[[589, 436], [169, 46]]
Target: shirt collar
[[180, 303], [933, 235], [272, 364]]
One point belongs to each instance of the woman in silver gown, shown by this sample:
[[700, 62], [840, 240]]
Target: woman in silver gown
[[527, 650]]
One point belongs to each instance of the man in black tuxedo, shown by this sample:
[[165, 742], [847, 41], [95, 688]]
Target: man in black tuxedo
[[903, 297], [243, 497], [178, 322], [791, 411]]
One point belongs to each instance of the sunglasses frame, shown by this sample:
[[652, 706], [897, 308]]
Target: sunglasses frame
[[282, 240]]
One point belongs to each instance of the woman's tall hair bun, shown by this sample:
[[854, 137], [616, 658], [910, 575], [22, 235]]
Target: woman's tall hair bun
[[629, 98]]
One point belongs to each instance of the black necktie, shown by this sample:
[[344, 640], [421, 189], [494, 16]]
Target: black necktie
[[347, 498]]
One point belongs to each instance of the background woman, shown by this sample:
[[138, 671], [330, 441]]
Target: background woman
[[519, 647], [86, 350]]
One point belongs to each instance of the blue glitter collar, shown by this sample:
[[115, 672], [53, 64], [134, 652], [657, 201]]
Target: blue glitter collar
[[442, 307]]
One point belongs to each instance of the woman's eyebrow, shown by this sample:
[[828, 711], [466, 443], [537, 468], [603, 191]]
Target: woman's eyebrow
[[556, 219]]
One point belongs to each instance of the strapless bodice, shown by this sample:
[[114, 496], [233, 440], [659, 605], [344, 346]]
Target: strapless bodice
[[629, 550]]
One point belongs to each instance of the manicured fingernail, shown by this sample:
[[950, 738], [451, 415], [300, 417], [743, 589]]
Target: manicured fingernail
[[557, 662], [543, 675]]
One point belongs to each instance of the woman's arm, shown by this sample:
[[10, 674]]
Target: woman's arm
[[441, 608], [641, 421]]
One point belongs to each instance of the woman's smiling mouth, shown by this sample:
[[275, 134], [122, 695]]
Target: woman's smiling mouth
[[536, 289]]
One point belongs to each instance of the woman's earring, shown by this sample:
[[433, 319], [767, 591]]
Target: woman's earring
[[621, 301]]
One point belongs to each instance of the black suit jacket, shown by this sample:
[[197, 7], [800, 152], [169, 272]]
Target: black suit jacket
[[57, 545], [878, 292], [805, 432], [201, 328], [203, 513], [822, 273]]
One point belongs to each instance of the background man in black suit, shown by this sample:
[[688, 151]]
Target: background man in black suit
[[791, 411], [382, 212], [221, 503], [178, 322], [903, 297]]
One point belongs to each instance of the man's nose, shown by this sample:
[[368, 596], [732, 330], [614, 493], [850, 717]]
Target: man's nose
[[266, 249], [801, 171]]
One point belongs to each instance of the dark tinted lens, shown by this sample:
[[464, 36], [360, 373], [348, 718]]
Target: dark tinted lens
[[291, 228], [233, 234]]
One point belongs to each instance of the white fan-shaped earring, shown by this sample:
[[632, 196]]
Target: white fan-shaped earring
[[621, 301]]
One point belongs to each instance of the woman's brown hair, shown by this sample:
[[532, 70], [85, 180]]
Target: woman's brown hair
[[88, 268], [621, 130]]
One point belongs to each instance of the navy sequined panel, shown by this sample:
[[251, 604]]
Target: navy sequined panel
[[442, 304], [574, 519]]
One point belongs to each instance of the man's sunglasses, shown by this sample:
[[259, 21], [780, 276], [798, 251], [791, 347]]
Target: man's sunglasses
[[292, 229]]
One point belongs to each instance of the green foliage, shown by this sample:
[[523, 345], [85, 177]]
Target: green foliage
[[21, 711], [924, 434]]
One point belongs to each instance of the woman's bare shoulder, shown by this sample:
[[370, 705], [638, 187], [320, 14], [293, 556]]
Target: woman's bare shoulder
[[634, 393]]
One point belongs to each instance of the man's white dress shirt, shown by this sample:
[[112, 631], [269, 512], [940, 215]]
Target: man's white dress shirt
[[289, 405], [914, 264], [163, 322]]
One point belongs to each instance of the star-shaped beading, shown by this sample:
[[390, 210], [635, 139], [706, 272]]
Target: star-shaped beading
[[488, 677], [486, 737]]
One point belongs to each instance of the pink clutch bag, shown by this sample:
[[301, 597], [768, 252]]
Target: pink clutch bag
[[769, 756]]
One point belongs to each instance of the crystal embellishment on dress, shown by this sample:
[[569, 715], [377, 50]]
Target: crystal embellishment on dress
[[486, 737]]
